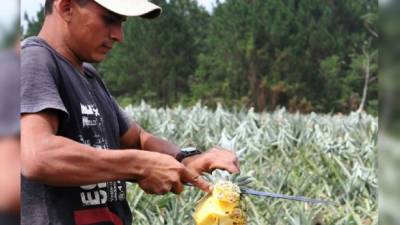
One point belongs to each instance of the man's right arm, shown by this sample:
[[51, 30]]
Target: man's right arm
[[58, 161]]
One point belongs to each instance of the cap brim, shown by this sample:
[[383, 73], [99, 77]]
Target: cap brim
[[141, 8]]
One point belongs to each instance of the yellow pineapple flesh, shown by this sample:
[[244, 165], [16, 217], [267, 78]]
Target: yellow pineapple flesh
[[221, 207]]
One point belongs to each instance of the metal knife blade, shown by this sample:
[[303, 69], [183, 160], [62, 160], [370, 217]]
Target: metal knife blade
[[275, 195], [289, 197]]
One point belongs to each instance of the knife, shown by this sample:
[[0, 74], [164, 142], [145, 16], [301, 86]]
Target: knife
[[282, 196], [248, 191]]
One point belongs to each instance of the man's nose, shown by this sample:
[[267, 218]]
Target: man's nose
[[117, 33]]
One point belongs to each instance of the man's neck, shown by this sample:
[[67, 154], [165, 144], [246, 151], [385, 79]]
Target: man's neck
[[53, 35]]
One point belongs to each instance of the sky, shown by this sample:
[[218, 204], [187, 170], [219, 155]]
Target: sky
[[8, 12]]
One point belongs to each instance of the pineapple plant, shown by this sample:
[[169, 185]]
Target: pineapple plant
[[318, 155]]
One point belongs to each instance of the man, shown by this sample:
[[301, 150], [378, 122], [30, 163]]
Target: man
[[77, 146]]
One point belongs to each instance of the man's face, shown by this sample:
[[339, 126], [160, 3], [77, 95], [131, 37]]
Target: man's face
[[93, 31]]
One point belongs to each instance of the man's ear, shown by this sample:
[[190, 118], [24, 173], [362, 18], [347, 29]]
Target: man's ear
[[64, 8]]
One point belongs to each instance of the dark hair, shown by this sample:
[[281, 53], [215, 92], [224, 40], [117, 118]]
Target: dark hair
[[48, 5]]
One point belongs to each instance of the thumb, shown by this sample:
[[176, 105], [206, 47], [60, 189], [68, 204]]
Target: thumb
[[196, 180]]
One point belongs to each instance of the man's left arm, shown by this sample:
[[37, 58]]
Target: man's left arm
[[214, 158], [138, 138]]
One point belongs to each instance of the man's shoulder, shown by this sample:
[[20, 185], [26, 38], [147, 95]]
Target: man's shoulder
[[33, 43], [34, 51]]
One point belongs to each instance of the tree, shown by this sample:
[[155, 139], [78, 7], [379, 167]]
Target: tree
[[306, 55], [158, 57], [289, 53], [34, 24], [370, 61]]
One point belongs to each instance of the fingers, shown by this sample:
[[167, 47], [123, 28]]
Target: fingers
[[231, 168], [235, 166], [150, 189], [196, 180], [224, 159], [177, 188], [201, 184], [173, 182]]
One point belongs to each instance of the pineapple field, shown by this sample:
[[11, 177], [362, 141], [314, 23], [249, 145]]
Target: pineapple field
[[330, 157]]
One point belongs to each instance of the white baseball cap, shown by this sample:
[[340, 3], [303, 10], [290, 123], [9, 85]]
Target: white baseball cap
[[142, 8]]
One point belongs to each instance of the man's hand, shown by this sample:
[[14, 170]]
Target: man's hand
[[214, 158], [165, 174]]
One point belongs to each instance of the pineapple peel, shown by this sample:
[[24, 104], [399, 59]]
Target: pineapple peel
[[221, 207], [226, 191]]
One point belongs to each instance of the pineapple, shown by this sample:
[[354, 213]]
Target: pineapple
[[221, 207]]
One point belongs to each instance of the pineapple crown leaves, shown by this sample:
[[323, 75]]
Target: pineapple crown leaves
[[240, 179]]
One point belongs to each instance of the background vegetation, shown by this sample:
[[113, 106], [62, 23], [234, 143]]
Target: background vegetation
[[320, 156], [307, 55]]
